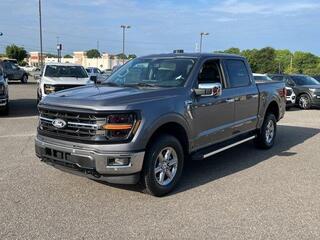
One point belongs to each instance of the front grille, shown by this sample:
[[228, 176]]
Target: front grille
[[58, 88], [79, 126]]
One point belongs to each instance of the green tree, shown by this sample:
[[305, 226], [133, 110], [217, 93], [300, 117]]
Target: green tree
[[305, 62], [15, 52], [283, 60], [93, 53], [132, 56], [67, 56], [232, 50], [265, 59], [121, 56]]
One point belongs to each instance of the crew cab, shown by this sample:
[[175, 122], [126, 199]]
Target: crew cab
[[153, 114], [60, 76]]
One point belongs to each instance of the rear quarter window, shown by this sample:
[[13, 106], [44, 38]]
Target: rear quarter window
[[238, 73]]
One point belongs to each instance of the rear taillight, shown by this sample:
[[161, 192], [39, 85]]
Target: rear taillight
[[282, 92]]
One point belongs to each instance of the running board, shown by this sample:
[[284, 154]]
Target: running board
[[215, 149]]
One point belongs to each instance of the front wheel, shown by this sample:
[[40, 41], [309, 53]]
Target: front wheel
[[267, 133], [163, 165], [304, 101]]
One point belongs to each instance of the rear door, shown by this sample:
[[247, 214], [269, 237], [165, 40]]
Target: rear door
[[213, 116], [246, 95]]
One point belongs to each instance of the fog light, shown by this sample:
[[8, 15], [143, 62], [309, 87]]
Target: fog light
[[118, 161]]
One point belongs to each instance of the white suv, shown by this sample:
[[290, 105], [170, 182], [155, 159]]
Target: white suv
[[60, 76]]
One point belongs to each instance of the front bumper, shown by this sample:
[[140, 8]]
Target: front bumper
[[90, 162], [3, 102], [316, 100]]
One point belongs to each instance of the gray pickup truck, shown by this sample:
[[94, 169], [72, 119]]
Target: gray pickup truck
[[153, 114]]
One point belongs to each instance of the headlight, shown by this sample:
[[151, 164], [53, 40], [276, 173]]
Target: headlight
[[2, 89], [121, 126], [312, 89], [49, 88]]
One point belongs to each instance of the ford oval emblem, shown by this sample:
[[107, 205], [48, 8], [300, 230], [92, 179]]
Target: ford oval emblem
[[59, 123]]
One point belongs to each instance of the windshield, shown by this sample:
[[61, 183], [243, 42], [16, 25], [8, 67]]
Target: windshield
[[304, 80], [65, 71], [261, 78], [153, 72]]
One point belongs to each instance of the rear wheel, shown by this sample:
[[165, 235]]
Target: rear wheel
[[267, 133], [304, 101], [24, 79], [163, 165]]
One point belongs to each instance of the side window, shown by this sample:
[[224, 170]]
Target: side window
[[210, 72], [278, 78], [238, 73]]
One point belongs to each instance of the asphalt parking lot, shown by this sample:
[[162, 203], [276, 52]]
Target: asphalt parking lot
[[243, 193]]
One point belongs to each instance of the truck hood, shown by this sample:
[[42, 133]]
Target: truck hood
[[65, 80], [108, 98]]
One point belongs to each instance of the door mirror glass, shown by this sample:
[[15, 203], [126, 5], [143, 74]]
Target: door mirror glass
[[209, 89], [36, 76]]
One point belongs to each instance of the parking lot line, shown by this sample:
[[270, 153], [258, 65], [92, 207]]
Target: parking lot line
[[18, 135]]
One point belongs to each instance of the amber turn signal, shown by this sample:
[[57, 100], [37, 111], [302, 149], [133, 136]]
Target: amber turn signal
[[117, 126]]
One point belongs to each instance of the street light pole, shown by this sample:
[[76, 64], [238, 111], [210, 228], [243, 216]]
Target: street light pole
[[40, 29], [124, 27], [201, 36]]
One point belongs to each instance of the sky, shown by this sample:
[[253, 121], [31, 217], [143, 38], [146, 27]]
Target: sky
[[159, 26]]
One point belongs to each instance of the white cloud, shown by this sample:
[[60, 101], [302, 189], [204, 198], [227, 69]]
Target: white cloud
[[241, 7]]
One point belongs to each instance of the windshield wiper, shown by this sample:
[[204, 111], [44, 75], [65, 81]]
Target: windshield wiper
[[112, 84], [141, 84]]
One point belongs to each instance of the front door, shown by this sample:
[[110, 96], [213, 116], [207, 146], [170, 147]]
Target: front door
[[212, 115]]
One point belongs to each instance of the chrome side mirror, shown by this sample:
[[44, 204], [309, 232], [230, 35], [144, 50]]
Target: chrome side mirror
[[36, 76], [209, 89]]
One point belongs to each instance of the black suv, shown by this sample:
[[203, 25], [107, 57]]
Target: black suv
[[13, 72], [305, 87]]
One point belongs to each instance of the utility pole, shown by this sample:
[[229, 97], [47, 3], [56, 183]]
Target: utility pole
[[58, 49], [124, 27], [40, 30], [291, 63], [201, 36]]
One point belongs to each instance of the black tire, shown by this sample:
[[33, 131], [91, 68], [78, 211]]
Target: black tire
[[24, 79], [304, 101], [150, 179], [262, 140]]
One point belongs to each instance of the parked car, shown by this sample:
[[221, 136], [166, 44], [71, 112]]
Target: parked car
[[28, 68], [93, 71], [261, 77], [306, 88], [4, 94], [13, 71], [60, 76], [290, 95], [154, 113]]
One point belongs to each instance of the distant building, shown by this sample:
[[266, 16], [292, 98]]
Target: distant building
[[107, 61]]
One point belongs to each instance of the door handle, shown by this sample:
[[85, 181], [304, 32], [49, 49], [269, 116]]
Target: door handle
[[230, 100]]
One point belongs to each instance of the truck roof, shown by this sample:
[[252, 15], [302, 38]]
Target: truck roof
[[62, 64], [194, 55]]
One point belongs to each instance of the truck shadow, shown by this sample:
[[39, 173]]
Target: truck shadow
[[242, 157], [198, 173], [22, 108]]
